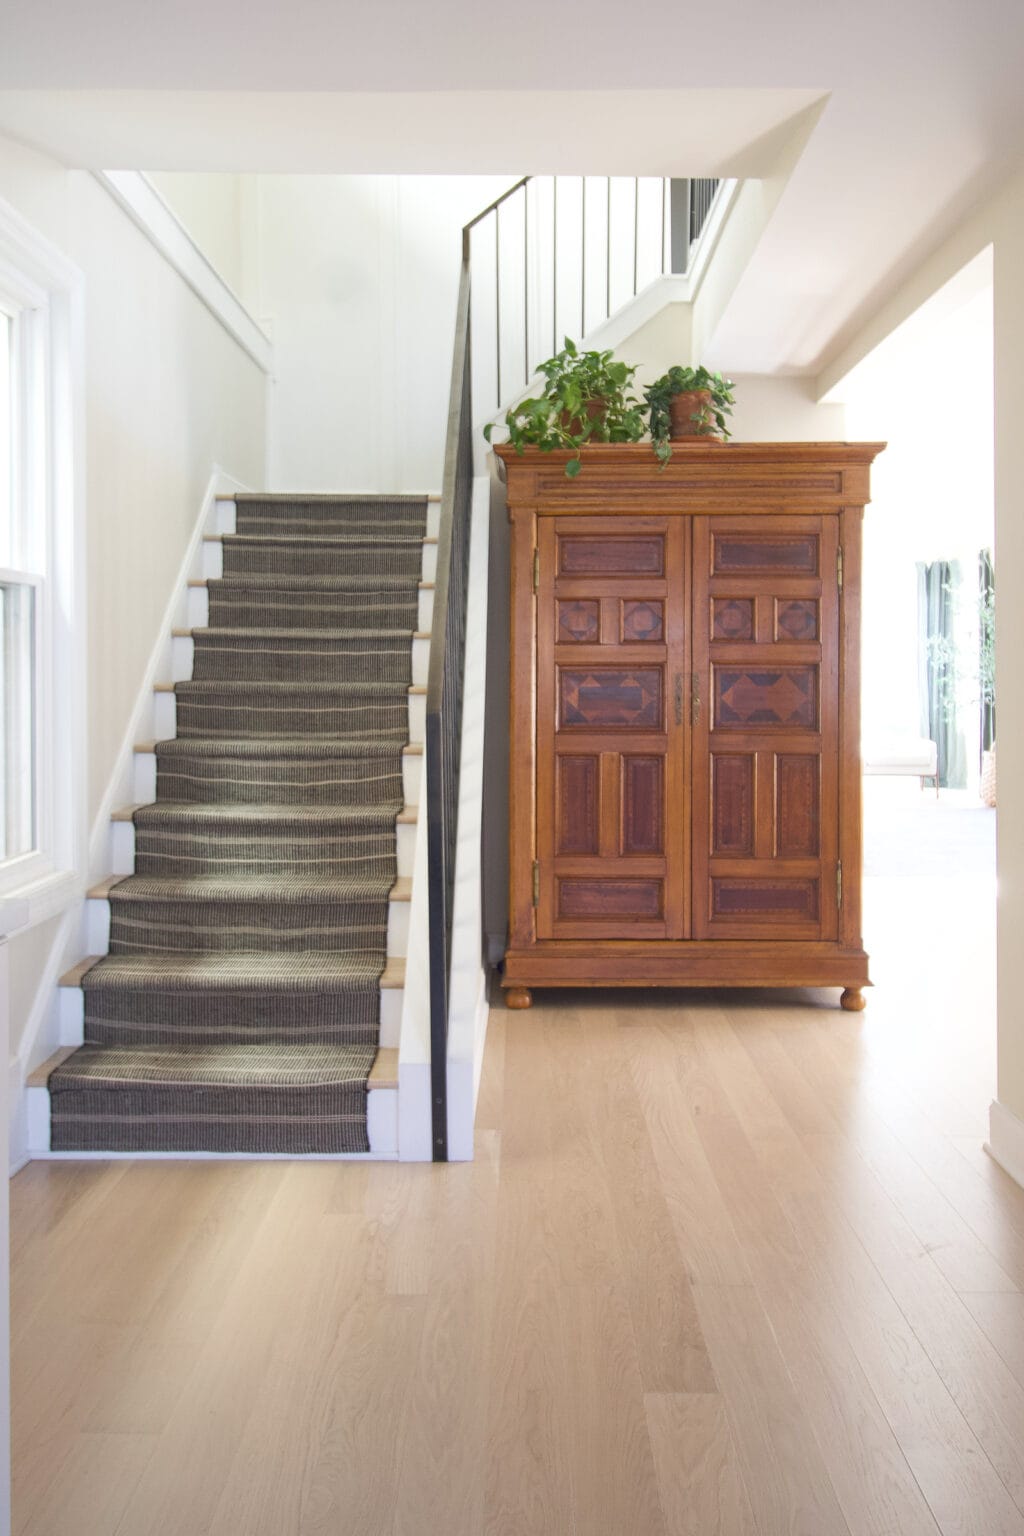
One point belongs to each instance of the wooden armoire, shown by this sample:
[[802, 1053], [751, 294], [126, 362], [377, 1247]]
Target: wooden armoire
[[685, 702]]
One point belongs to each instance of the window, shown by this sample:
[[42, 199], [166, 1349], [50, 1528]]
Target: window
[[40, 571]]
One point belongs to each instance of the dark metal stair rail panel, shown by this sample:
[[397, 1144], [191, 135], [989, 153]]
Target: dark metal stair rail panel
[[448, 631], [444, 705]]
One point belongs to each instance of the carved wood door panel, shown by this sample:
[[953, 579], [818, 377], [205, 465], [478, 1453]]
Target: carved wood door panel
[[612, 797], [765, 713]]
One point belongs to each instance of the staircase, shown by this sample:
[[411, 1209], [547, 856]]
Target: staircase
[[244, 994]]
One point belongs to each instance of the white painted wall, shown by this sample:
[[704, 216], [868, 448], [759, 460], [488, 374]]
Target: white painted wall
[[167, 395], [359, 282], [998, 222], [932, 489], [211, 208]]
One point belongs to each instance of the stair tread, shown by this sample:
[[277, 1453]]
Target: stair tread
[[261, 970], [271, 1066], [271, 888], [405, 817]]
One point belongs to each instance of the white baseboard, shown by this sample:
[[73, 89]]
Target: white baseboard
[[1005, 1143]]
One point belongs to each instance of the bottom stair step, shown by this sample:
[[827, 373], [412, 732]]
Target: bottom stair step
[[263, 1099]]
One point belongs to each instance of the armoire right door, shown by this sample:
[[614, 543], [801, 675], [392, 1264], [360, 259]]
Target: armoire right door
[[765, 727]]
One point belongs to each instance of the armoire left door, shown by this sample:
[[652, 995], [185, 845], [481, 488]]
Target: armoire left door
[[612, 702]]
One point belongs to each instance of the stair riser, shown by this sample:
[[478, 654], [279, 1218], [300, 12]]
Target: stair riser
[[71, 1019], [381, 1124], [165, 716], [183, 661], [145, 777], [123, 847], [97, 927]]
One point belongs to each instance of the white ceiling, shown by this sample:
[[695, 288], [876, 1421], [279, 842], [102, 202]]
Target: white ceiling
[[924, 112]]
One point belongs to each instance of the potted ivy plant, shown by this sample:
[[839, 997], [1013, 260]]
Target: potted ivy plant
[[687, 404], [586, 399]]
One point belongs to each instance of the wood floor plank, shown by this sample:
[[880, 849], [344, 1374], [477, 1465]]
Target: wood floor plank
[[442, 1473], [775, 1443], [702, 1491]]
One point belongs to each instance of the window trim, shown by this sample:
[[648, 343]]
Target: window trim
[[49, 291]]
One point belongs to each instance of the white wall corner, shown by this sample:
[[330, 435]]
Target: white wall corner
[[143, 204], [120, 788], [1005, 1143]]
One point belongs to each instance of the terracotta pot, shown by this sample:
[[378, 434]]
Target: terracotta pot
[[574, 425], [683, 408]]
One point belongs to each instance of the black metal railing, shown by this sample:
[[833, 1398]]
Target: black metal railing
[[444, 705], [654, 246]]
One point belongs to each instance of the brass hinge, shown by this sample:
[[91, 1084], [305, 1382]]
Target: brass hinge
[[839, 567], [839, 883], [536, 569], [536, 883]]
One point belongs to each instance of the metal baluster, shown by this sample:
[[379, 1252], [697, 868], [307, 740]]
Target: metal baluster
[[554, 264], [608, 249], [583, 257], [497, 298], [526, 284]]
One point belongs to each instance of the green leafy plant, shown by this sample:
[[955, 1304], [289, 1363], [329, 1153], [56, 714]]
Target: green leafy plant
[[681, 381], [586, 399]]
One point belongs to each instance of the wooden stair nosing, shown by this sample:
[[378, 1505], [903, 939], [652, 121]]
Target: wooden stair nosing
[[204, 581], [362, 495], [406, 816], [413, 688], [392, 978], [383, 1073], [218, 538], [412, 748]]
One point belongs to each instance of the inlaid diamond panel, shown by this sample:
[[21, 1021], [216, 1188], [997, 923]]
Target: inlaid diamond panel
[[796, 618], [579, 623], [732, 618], [642, 620], [777, 698], [606, 698]]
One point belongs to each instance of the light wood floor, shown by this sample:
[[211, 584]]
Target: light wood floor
[[725, 1266]]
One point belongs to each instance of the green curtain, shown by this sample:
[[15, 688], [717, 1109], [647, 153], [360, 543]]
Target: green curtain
[[936, 584]]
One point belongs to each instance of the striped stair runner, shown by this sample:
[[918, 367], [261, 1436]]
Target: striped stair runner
[[238, 1008]]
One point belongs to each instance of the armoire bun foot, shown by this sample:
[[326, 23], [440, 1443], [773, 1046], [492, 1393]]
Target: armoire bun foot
[[518, 997], [853, 1000]]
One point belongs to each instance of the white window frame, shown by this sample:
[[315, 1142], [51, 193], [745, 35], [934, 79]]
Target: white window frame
[[47, 291]]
